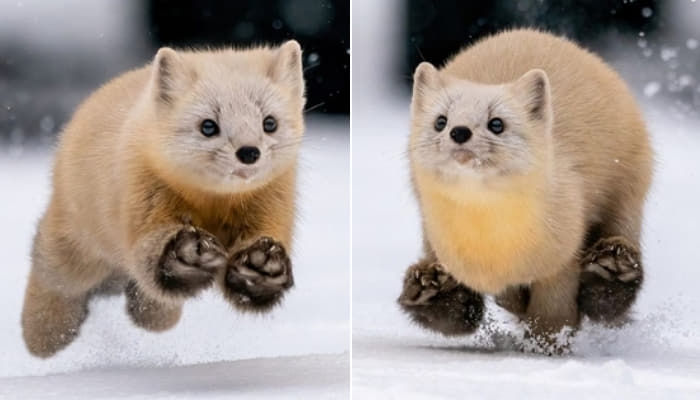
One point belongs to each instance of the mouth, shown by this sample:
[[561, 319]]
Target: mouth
[[468, 158], [244, 173], [463, 156]]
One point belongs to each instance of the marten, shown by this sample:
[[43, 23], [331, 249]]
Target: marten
[[531, 162], [167, 179]]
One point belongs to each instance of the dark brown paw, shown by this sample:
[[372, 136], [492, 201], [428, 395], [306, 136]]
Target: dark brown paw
[[611, 276], [258, 276], [189, 262], [436, 301]]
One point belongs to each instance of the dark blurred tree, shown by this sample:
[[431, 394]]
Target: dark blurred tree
[[321, 26], [438, 29], [638, 37]]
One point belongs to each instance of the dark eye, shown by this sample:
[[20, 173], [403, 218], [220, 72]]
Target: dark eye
[[496, 125], [269, 124], [209, 128], [440, 123]]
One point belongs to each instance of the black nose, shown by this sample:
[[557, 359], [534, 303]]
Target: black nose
[[460, 134], [248, 154]]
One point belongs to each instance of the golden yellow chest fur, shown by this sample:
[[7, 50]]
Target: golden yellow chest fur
[[482, 237]]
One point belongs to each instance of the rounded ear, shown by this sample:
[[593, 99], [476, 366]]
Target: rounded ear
[[169, 75], [426, 79], [533, 91], [287, 68]]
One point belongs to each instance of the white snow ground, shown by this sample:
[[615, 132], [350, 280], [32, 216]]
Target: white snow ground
[[657, 356], [301, 350]]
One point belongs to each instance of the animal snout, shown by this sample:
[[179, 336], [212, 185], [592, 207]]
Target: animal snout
[[248, 154], [460, 134]]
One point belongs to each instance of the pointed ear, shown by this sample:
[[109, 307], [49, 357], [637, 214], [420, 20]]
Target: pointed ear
[[425, 80], [533, 90], [170, 74], [287, 68]]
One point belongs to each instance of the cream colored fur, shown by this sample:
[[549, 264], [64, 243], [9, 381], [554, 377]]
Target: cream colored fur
[[518, 212], [132, 169]]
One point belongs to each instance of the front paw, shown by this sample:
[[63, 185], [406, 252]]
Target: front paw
[[611, 276], [436, 301], [189, 262], [257, 276]]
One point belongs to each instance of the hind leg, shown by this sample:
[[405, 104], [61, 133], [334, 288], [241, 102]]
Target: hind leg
[[149, 313], [552, 306], [612, 276], [515, 299], [50, 320], [57, 294], [611, 267]]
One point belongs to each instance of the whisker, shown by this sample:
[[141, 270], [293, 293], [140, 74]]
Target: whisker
[[421, 145], [420, 53], [416, 146], [286, 144], [293, 142], [321, 104], [292, 149], [311, 66]]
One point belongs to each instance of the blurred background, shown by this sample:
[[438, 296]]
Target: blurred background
[[654, 44], [54, 53]]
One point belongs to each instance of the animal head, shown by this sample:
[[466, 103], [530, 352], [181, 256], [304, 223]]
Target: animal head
[[228, 120], [463, 130]]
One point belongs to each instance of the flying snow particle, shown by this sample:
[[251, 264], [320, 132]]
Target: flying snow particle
[[647, 12], [685, 81], [652, 88], [47, 124], [668, 53], [692, 44]]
